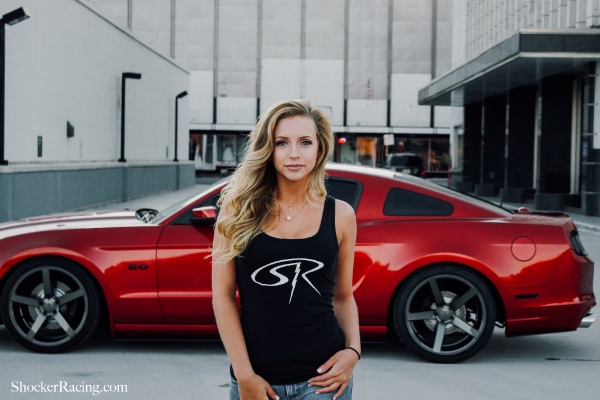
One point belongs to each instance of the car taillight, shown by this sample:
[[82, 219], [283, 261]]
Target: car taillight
[[576, 242]]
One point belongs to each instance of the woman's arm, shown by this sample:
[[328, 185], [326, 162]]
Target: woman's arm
[[336, 372], [251, 386]]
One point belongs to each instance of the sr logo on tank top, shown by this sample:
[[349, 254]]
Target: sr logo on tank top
[[299, 264]]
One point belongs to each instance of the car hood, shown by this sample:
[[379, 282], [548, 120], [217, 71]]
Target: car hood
[[82, 220]]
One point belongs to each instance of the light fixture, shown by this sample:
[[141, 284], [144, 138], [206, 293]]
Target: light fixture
[[11, 18], [124, 77], [179, 96], [16, 16]]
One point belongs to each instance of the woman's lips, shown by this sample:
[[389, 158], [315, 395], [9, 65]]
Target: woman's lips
[[294, 167]]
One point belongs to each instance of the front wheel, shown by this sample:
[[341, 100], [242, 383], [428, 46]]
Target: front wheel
[[50, 305], [444, 313]]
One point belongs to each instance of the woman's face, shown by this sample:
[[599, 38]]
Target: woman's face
[[296, 148]]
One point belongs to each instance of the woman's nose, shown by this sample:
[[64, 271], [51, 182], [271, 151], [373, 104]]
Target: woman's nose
[[294, 151]]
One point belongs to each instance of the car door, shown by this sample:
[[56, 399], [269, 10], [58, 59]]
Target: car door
[[184, 270]]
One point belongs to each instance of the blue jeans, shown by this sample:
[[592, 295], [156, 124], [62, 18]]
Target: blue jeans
[[296, 391]]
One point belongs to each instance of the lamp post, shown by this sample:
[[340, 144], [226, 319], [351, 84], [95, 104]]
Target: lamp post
[[11, 18], [179, 96], [125, 76]]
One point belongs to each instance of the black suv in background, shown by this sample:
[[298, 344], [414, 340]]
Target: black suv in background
[[407, 163]]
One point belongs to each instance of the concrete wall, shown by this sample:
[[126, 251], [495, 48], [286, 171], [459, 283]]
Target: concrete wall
[[406, 110], [321, 81], [65, 64], [29, 191], [201, 97], [367, 112]]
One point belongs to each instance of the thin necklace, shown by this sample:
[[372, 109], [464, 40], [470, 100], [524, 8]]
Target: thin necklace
[[289, 217], [290, 207]]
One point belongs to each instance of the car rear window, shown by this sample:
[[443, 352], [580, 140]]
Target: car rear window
[[454, 193], [408, 203]]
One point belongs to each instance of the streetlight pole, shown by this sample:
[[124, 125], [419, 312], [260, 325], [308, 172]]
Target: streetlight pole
[[179, 96], [11, 18], [126, 75]]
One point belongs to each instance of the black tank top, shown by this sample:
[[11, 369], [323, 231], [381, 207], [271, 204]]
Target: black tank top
[[286, 291]]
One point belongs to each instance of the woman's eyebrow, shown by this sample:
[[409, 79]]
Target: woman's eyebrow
[[301, 137]]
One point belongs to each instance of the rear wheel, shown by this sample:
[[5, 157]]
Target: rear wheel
[[444, 313], [50, 305]]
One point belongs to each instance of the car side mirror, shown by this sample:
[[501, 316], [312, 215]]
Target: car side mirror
[[204, 216]]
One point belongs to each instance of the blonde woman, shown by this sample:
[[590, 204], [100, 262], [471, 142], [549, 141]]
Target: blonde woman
[[289, 249]]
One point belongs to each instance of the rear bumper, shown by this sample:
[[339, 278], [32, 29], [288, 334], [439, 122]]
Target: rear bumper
[[563, 304]]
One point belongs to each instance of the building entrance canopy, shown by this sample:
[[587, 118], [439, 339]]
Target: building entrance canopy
[[521, 60]]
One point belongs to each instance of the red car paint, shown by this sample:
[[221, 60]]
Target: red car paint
[[540, 283]]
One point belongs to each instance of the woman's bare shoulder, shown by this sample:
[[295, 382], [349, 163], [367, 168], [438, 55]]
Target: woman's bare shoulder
[[345, 218], [344, 210]]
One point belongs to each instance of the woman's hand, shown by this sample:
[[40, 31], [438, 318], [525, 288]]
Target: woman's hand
[[255, 388], [335, 373]]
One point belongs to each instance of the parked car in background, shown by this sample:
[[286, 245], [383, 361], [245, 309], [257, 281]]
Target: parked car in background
[[407, 163], [433, 267]]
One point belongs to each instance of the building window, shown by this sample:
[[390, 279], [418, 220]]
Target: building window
[[216, 151]]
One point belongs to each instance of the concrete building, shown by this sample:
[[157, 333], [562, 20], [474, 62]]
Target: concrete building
[[362, 61], [526, 75], [63, 89]]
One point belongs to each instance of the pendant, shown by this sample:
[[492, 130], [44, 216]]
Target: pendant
[[288, 218], [290, 208]]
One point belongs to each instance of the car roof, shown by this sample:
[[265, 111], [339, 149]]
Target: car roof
[[377, 173], [466, 205], [360, 169]]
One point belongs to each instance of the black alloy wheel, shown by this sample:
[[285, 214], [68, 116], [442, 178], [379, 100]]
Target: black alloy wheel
[[50, 305], [444, 313]]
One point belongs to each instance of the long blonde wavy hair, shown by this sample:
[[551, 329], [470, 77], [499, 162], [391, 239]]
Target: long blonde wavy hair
[[250, 198]]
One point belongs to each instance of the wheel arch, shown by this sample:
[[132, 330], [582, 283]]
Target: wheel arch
[[12, 270], [500, 307]]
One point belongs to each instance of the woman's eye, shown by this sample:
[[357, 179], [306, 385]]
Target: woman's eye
[[306, 143], [281, 143]]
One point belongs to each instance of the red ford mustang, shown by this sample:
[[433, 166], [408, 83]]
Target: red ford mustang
[[432, 266]]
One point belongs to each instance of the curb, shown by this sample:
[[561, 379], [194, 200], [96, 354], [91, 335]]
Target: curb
[[582, 226]]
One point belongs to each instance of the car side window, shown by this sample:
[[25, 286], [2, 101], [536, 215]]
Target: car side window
[[185, 218], [347, 190], [402, 202]]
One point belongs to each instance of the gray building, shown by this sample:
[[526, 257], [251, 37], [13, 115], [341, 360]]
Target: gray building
[[362, 61], [526, 75], [63, 146]]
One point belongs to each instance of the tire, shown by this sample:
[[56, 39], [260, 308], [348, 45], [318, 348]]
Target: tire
[[454, 331], [56, 323]]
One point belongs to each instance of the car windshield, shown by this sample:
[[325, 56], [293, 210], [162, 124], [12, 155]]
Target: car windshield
[[183, 203], [453, 192]]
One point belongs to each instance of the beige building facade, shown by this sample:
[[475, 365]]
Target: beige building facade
[[362, 61]]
